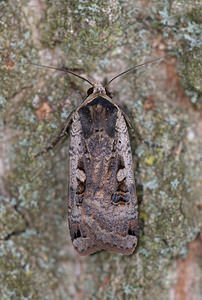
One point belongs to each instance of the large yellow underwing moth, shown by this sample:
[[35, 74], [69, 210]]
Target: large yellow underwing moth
[[102, 202]]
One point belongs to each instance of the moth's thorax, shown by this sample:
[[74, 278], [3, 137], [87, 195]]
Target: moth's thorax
[[98, 88]]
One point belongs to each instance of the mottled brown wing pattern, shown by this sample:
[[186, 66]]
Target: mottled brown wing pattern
[[102, 204]]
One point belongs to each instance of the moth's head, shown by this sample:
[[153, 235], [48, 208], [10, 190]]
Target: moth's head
[[98, 88]]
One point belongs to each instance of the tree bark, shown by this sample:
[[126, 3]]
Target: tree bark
[[97, 39]]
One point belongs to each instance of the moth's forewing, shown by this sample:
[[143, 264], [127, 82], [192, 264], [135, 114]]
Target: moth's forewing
[[102, 203]]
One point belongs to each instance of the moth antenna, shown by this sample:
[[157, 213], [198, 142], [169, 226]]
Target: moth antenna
[[63, 70], [133, 68], [57, 69]]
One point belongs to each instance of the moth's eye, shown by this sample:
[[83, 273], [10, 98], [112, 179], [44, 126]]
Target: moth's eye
[[90, 91]]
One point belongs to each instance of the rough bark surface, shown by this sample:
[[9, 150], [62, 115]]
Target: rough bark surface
[[97, 39]]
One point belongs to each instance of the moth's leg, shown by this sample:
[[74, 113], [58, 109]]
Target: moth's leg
[[51, 146], [61, 135]]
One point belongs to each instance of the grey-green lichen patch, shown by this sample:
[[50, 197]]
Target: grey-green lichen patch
[[11, 221], [189, 38], [85, 30], [190, 66]]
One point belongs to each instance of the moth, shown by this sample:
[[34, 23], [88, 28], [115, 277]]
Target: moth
[[102, 201]]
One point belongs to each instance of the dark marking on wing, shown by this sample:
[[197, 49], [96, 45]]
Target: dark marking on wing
[[100, 114], [86, 121]]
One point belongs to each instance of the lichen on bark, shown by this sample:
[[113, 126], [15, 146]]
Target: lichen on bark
[[98, 39]]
